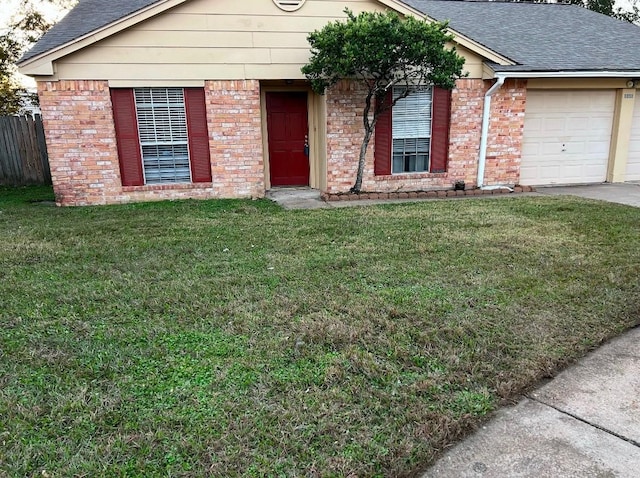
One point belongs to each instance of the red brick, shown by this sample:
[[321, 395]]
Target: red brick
[[84, 161], [344, 104]]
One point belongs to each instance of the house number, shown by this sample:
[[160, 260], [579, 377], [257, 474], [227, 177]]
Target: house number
[[628, 96]]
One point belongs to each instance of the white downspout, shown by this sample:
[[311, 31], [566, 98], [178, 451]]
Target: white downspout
[[486, 115]]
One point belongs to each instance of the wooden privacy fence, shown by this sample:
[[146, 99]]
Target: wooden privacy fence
[[23, 151]]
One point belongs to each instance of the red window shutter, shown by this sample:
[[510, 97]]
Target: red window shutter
[[440, 122], [126, 123], [198, 135], [382, 153]]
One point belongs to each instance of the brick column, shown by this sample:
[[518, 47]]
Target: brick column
[[504, 145], [78, 123], [466, 123], [345, 131], [235, 129]]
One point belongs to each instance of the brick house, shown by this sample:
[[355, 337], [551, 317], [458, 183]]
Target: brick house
[[146, 100]]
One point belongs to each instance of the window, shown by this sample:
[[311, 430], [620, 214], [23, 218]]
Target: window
[[411, 120], [162, 130], [413, 136], [162, 135]]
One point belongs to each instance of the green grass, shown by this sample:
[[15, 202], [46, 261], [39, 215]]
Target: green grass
[[233, 338]]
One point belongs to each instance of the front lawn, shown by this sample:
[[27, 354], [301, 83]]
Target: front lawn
[[233, 338]]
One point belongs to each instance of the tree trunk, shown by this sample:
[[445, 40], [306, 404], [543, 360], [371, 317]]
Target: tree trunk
[[363, 153]]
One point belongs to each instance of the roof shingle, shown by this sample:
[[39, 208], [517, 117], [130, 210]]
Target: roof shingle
[[536, 36], [86, 17], [542, 36]]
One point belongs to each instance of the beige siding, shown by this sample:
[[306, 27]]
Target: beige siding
[[222, 39], [472, 62], [632, 170]]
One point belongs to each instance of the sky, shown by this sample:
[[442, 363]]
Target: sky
[[10, 7]]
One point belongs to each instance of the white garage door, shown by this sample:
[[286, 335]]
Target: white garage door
[[566, 136], [633, 164]]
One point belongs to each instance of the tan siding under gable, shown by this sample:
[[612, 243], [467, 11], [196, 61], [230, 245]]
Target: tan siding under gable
[[222, 39]]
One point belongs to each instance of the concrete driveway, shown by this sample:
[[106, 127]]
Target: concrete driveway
[[623, 193]]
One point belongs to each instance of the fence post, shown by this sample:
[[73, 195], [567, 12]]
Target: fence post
[[42, 149]]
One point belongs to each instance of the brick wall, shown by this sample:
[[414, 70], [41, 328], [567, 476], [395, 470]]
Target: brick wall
[[345, 132], [81, 142], [467, 101], [344, 136], [82, 148], [235, 127], [504, 145], [78, 123]]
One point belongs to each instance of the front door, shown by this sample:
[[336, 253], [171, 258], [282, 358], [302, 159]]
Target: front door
[[287, 127]]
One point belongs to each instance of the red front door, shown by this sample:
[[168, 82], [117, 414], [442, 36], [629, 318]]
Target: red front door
[[288, 132]]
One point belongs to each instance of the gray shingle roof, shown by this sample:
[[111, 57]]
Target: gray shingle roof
[[542, 37], [86, 17], [538, 37]]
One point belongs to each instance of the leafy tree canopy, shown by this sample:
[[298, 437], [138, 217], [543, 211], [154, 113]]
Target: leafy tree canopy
[[609, 8], [630, 12], [381, 50], [26, 26]]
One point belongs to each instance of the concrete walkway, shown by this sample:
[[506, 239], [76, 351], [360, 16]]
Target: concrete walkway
[[583, 423], [306, 198]]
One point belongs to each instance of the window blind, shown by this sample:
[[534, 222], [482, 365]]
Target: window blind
[[162, 129]]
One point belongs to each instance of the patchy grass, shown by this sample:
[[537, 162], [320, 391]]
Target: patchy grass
[[232, 338]]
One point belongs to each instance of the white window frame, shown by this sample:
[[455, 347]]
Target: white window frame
[[177, 134], [414, 135]]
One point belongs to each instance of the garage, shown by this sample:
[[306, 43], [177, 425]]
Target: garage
[[633, 164], [567, 134]]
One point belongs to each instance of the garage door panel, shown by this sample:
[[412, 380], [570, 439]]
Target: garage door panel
[[633, 161], [528, 150], [600, 124], [551, 149], [567, 135], [601, 102], [535, 124], [599, 148]]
